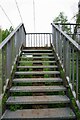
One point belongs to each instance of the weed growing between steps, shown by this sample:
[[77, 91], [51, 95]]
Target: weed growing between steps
[[4, 99], [22, 84], [15, 107], [21, 94], [76, 110]]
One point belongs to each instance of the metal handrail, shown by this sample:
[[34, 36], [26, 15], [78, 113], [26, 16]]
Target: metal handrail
[[10, 36], [68, 52], [67, 24]]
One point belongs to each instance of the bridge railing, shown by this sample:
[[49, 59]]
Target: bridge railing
[[9, 51], [68, 53], [38, 39], [72, 29]]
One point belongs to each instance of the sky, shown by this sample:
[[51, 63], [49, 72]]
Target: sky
[[45, 12]]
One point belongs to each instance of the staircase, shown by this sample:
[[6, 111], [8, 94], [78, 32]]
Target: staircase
[[38, 91]]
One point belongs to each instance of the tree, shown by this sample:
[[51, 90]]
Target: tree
[[62, 19], [5, 33]]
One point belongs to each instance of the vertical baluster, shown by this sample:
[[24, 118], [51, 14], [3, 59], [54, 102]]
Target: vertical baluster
[[36, 39], [27, 36], [70, 30], [64, 52], [4, 67], [52, 35], [8, 58], [59, 43], [49, 40], [41, 40], [31, 37], [61, 37], [77, 75], [55, 38], [1, 81], [56, 41], [1, 72], [44, 41], [72, 68], [69, 57]]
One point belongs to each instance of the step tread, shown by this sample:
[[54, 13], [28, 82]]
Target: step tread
[[37, 88], [40, 61], [31, 114], [38, 66], [37, 53], [36, 50], [36, 72], [38, 99], [37, 57], [26, 80]]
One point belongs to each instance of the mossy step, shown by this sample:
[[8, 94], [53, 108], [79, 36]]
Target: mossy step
[[37, 54], [40, 61], [49, 99], [39, 114], [43, 57], [42, 66], [36, 80], [37, 73], [32, 51], [37, 88]]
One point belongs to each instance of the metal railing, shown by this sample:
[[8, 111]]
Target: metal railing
[[68, 53], [38, 39], [9, 51], [72, 29]]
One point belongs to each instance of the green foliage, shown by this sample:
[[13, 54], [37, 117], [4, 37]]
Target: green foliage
[[15, 107], [62, 19], [78, 18], [5, 33]]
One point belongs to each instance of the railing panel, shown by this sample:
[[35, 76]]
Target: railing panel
[[68, 53], [9, 51], [38, 39], [0, 82], [73, 30]]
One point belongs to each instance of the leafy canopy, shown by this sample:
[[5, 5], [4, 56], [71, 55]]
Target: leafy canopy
[[62, 19], [5, 33]]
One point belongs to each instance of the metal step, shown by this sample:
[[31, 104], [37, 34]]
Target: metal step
[[37, 53], [37, 73], [55, 99], [40, 61], [39, 114], [34, 50], [37, 88], [38, 80], [43, 57], [42, 66]]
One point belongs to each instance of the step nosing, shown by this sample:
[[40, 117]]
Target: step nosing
[[38, 72], [37, 88], [37, 99], [48, 113]]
